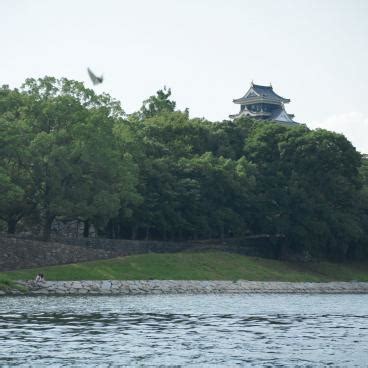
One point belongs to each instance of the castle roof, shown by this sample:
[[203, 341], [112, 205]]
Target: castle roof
[[282, 116], [279, 115], [258, 93]]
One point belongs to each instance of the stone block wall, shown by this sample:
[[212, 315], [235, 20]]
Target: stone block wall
[[21, 253], [121, 287], [17, 253]]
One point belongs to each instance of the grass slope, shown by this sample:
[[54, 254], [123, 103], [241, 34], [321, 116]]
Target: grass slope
[[196, 266], [6, 284]]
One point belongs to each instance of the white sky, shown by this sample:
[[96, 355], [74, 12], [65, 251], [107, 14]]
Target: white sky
[[314, 52]]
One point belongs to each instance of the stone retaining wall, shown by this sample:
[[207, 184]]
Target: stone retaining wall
[[17, 253], [127, 245], [117, 287], [258, 246], [21, 253]]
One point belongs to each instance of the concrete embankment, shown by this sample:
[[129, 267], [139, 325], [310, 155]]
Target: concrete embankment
[[117, 287]]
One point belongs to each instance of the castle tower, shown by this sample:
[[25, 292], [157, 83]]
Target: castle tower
[[261, 102]]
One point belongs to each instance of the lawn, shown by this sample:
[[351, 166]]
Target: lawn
[[212, 265]]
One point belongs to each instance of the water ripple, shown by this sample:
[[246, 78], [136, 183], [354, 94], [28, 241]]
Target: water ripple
[[200, 330]]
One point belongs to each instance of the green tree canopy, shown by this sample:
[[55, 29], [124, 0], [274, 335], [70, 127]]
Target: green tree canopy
[[67, 153]]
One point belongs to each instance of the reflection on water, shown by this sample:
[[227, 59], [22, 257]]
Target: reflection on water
[[204, 330]]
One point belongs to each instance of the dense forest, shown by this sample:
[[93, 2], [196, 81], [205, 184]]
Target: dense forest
[[67, 154]]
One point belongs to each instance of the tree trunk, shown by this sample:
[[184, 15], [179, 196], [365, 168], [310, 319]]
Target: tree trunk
[[109, 229], [47, 227], [222, 232], [180, 235], [282, 249], [12, 224], [115, 231], [86, 228], [147, 233], [134, 232]]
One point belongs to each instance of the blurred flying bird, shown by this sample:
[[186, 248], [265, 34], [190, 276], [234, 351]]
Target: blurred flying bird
[[95, 80]]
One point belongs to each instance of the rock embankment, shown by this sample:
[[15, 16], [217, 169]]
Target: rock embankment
[[117, 287]]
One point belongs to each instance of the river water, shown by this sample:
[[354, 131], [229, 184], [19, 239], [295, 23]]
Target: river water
[[198, 330]]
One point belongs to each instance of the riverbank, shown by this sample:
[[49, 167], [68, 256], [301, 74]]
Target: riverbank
[[210, 265], [116, 287]]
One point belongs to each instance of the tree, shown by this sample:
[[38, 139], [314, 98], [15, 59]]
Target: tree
[[16, 185], [359, 248], [76, 165], [308, 182], [224, 202], [157, 104]]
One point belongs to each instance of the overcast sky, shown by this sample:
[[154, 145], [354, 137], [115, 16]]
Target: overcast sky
[[314, 52]]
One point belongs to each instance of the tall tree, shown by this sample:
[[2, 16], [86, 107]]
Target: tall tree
[[308, 182], [76, 165], [16, 184]]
